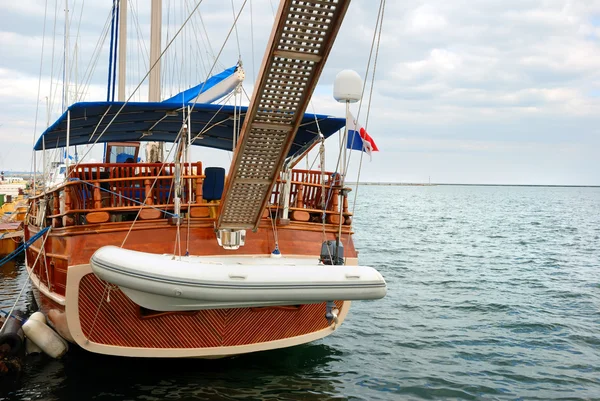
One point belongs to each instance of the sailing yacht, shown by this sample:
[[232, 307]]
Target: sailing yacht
[[178, 259]]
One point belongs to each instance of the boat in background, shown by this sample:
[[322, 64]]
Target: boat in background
[[13, 208], [175, 259], [11, 236], [11, 186], [13, 205]]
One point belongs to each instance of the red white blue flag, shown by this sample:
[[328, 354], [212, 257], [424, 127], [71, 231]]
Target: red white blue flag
[[358, 139]]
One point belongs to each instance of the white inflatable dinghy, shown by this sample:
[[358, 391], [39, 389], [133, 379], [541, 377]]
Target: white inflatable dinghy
[[168, 283]]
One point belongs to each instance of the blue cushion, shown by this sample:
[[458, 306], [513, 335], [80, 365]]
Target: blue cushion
[[212, 187], [122, 157]]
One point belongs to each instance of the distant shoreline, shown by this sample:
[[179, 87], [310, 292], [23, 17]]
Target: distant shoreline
[[408, 184], [399, 184]]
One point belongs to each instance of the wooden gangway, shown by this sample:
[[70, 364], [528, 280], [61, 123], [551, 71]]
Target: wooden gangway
[[302, 37]]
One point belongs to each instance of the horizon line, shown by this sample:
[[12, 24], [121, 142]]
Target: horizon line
[[418, 184]]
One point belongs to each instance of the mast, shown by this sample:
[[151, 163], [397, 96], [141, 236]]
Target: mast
[[155, 37], [122, 50], [66, 83], [155, 33], [66, 71]]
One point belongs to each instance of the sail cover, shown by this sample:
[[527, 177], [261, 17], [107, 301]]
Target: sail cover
[[213, 89], [211, 125]]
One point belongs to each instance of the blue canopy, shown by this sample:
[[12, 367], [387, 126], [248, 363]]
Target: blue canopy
[[211, 125]]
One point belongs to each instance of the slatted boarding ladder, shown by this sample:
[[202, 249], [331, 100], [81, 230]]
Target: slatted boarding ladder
[[300, 43]]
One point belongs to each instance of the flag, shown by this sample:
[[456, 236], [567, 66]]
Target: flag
[[358, 139]]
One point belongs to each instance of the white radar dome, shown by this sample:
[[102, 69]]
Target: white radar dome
[[347, 86]]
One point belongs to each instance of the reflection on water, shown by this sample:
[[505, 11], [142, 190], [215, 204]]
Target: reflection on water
[[289, 374], [9, 270]]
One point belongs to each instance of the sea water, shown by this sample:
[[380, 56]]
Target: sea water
[[493, 294]]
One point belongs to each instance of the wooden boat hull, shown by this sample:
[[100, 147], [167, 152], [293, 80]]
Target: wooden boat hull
[[100, 318]]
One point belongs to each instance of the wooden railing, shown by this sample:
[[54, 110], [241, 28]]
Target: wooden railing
[[122, 185], [101, 192], [313, 193]]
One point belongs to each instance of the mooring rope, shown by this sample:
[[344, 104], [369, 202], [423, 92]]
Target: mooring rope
[[23, 246], [31, 240]]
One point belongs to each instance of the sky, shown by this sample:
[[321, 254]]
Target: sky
[[465, 91]]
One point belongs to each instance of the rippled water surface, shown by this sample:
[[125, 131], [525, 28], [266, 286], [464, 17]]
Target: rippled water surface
[[493, 293]]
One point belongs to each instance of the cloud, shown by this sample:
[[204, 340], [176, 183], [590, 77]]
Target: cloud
[[471, 85]]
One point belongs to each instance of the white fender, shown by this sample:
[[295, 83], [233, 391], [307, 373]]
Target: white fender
[[31, 347], [45, 338], [38, 316]]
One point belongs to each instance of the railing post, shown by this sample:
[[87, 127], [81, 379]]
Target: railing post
[[55, 203], [67, 220], [67, 199], [345, 194], [56, 221], [335, 201], [299, 196], [149, 196], [97, 196], [345, 213], [198, 190]]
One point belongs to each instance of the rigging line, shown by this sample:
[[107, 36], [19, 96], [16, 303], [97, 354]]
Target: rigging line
[[237, 38], [252, 42], [274, 228], [199, 39], [378, 25], [235, 122], [89, 337], [239, 127], [152, 187], [321, 155], [100, 122], [50, 101], [374, 68], [188, 156], [182, 69], [29, 272], [37, 106], [272, 8], [94, 58], [176, 182], [93, 62], [167, 66], [212, 52], [142, 81], [369, 102], [65, 56], [221, 50], [140, 37], [205, 129], [77, 37], [246, 93]]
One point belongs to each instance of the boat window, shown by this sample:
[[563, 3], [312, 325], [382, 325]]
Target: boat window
[[122, 154]]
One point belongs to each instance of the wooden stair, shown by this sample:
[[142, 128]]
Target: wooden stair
[[300, 42]]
